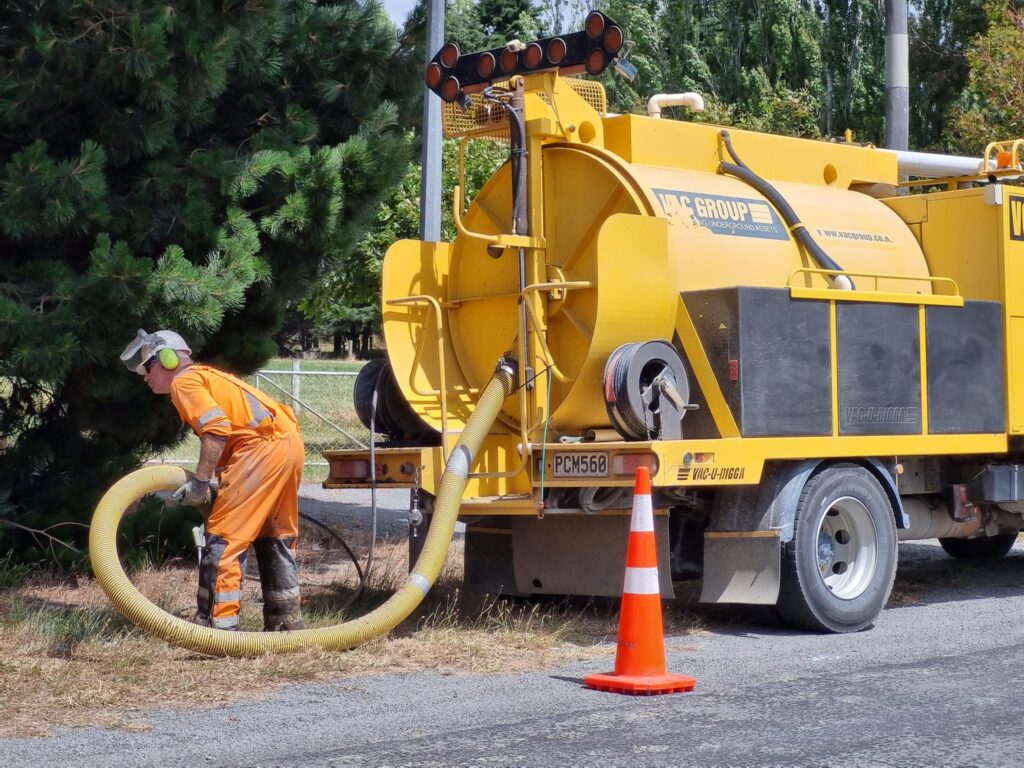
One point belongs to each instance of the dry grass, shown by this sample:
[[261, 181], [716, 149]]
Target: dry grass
[[68, 659]]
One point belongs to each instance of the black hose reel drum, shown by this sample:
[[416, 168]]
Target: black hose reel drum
[[646, 391]]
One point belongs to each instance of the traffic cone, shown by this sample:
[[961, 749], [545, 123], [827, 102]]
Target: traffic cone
[[640, 656]]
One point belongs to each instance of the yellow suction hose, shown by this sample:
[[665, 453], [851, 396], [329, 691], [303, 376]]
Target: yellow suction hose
[[155, 621]]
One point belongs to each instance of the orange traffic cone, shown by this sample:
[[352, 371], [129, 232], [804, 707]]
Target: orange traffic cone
[[640, 657]]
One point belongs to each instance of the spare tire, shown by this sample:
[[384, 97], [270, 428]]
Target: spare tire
[[395, 417], [981, 548], [362, 393]]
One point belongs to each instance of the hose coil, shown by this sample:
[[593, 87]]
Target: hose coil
[[138, 609]]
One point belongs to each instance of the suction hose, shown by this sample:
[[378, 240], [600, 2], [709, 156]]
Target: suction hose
[[216, 642]]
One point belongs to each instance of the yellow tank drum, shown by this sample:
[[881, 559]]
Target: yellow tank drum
[[630, 218]]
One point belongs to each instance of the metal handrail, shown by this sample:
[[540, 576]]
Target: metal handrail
[[530, 289], [875, 275], [555, 371], [433, 303], [999, 147]]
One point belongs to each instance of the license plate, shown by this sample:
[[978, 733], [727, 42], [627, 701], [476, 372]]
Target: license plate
[[580, 464]]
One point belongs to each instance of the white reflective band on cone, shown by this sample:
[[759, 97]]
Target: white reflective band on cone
[[643, 514], [641, 581]]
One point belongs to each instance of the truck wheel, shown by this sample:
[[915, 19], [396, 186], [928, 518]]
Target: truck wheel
[[985, 548], [838, 570]]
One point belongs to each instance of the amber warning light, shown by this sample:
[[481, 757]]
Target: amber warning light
[[452, 74]]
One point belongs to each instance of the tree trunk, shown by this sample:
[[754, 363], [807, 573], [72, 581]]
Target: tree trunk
[[854, 49], [828, 101]]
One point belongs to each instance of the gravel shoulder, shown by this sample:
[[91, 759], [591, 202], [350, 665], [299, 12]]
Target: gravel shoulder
[[935, 682], [350, 509]]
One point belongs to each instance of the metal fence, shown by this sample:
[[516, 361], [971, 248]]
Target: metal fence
[[320, 393]]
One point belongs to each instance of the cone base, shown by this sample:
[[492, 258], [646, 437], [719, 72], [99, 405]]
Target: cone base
[[641, 684]]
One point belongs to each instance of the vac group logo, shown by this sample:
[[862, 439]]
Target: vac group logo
[[722, 215]]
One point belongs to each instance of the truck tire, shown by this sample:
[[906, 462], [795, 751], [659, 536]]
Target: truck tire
[[984, 548], [838, 570], [367, 380]]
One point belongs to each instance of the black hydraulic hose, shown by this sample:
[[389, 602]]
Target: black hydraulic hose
[[352, 555], [373, 470], [344, 545], [744, 174], [513, 104]]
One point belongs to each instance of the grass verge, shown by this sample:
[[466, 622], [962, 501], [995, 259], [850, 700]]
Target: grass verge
[[68, 659]]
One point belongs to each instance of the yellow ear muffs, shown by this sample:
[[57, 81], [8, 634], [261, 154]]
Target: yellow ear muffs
[[168, 359]]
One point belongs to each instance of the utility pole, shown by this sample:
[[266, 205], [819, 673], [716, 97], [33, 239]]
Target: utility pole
[[430, 157], [897, 76]]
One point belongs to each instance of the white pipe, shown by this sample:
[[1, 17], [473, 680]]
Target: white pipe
[[925, 165], [692, 100]]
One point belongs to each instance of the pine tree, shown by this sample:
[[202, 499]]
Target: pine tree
[[176, 165]]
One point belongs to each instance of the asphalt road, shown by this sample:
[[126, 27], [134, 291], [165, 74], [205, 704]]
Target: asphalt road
[[937, 682]]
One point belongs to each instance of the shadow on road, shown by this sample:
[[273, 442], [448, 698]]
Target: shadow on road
[[926, 575]]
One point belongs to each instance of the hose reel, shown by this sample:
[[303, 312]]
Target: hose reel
[[646, 391]]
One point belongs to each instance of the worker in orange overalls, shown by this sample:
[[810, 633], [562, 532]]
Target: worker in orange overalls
[[252, 444]]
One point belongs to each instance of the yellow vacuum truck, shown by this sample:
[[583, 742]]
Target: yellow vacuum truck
[[814, 361]]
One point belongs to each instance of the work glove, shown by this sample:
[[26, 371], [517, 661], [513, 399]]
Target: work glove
[[194, 493]]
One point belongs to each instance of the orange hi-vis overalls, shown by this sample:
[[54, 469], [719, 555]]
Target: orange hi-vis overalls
[[257, 502]]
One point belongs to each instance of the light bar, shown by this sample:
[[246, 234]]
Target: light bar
[[451, 75]]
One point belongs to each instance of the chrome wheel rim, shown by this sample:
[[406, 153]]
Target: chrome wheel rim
[[847, 548]]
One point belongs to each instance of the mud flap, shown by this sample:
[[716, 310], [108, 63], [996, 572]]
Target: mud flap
[[741, 567]]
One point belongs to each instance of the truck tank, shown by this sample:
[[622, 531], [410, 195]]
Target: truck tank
[[634, 212], [811, 366]]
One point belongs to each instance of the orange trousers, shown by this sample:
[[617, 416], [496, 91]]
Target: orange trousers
[[257, 500]]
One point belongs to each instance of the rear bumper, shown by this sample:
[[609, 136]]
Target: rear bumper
[[394, 467]]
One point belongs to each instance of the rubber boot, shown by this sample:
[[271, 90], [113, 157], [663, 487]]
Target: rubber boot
[[280, 580]]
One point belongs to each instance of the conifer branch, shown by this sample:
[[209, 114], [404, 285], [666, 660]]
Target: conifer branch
[[33, 532]]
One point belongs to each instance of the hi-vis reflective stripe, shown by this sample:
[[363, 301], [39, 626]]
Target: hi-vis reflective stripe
[[227, 597], [643, 514], [641, 581], [214, 413], [227, 622], [259, 413]]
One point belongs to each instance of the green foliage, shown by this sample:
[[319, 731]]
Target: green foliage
[[152, 533], [12, 572], [994, 102], [477, 25], [755, 62], [185, 166], [348, 298], [560, 16], [940, 33]]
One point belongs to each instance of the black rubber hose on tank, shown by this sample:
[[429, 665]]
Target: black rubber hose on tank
[[352, 555], [744, 174]]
